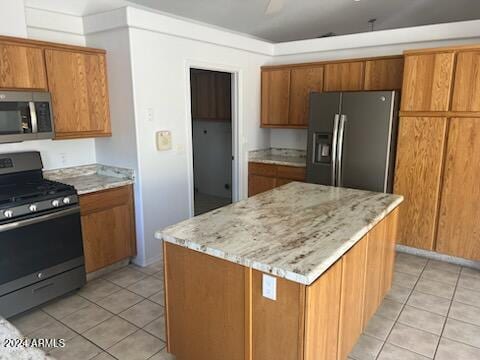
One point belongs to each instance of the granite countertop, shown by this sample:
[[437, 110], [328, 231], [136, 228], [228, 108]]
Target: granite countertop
[[91, 178], [8, 331], [296, 231], [277, 156]]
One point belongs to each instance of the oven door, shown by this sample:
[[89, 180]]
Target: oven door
[[39, 247]]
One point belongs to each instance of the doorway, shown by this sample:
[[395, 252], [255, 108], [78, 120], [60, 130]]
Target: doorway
[[211, 109]]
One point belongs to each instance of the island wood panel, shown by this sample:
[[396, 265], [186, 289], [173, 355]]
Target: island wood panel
[[303, 82], [427, 82], [258, 184], [374, 270], [418, 174], [206, 317], [108, 227], [459, 219], [466, 92], [344, 76], [278, 326], [384, 74], [391, 237], [22, 67], [78, 84], [322, 315], [352, 299], [275, 97]]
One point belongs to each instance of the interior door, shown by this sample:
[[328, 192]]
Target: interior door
[[367, 159]]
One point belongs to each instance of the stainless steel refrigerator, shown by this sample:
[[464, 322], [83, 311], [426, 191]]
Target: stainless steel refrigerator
[[352, 139]]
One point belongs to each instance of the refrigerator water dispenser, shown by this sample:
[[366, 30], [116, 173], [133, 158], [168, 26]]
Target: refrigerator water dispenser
[[323, 148]]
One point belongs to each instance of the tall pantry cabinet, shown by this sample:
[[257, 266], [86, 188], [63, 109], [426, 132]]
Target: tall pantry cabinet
[[438, 156]]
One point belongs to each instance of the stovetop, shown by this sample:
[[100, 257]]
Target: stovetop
[[28, 191]]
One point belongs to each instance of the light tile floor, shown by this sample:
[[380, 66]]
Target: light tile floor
[[431, 312]]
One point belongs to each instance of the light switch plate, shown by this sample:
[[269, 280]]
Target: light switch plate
[[164, 140], [269, 287]]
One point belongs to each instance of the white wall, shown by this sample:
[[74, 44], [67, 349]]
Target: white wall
[[212, 144], [12, 18]]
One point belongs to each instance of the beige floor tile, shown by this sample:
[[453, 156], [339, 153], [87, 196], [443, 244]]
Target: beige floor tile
[[411, 259], [157, 328], [418, 341], [31, 321], [65, 306], [392, 352], [162, 355], [379, 327], [469, 281], [103, 356], [77, 348], [399, 293], [142, 313], [443, 266], [366, 348], [464, 312], [467, 296], [86, 318], [436, 288], [389, 309], [160, 275], [150, 269], [98, 289], [471, 272], [54, 330], [421, 319], [409, 268], [109, 332], [120, 301], [449, 350], [429, 302], [462, 332], [158, 298], [125, 276], [404, 280], [147, 287], [138, 346], [442, 276]]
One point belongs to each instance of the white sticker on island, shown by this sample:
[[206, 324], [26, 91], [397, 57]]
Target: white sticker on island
[[269, 287]]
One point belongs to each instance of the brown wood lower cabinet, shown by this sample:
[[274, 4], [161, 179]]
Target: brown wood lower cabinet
[[108, 227], [264, 177], [216, 311]]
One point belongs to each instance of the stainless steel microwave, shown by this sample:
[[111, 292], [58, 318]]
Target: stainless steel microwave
[[25, 116]]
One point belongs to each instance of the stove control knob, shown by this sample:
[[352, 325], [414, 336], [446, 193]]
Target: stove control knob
[[55, 203], [66, 200], [8, 213], [32, 208]]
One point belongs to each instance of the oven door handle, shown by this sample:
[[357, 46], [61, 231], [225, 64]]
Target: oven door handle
[[36, 220]]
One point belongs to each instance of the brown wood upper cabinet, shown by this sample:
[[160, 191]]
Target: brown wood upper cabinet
[[22, 67], [427, 81], [344, 76], [108, 227], [303, 82], [78, 85], [384, 74], [275, 97], [466, 93]]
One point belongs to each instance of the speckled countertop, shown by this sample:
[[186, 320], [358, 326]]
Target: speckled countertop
[[91, 178], [8, 331], [277, 156], [296, 231]]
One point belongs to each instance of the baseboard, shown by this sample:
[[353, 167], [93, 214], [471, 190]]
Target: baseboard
[[440, 257]]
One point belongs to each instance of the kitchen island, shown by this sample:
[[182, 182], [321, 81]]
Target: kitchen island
[[323, 256]]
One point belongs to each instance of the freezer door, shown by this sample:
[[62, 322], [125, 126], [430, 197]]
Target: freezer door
[[321, 151], [369, 140]]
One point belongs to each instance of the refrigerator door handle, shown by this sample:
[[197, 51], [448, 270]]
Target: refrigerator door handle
[[334, 149], [341, 132]]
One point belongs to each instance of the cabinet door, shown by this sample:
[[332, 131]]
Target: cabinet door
[[459, 222], [427, 82], [205, 94], [384, 74], [304, 81], [223, 91], [22, 67], [347, 76], [417, 177], [78, 84], [258, 184], [466, 93], [108, 227], [351, 305], [275, 97]]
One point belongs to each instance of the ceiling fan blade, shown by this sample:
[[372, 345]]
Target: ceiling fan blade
[[275, 6]]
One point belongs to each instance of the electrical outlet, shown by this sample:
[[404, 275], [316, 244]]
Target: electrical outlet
[[63, 158], [150, 115], [269, 287]]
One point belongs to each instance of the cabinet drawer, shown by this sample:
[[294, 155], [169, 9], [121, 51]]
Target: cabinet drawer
[[105, 199], [291, 172], [262, 169]]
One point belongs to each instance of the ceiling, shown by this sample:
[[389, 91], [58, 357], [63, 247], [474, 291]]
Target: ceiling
[[298, 19]]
